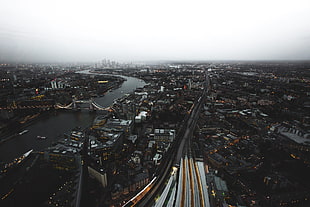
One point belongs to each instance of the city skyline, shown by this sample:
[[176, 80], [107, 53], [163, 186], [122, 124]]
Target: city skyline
[[78, 31], [194, 134]]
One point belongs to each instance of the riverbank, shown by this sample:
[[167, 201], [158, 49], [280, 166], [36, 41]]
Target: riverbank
[[55, 124], [13, 126]]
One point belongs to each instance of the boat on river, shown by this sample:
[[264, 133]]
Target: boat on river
[[23, 132], [41, 137]]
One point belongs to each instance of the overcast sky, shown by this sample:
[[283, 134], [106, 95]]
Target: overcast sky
[[135, 30]]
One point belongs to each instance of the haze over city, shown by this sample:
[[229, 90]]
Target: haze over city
[[155, 103], [62, 31]]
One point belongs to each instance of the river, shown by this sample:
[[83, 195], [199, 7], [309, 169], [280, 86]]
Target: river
[[54, 126]]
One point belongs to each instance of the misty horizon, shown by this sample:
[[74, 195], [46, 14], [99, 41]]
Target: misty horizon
[[157, 31]]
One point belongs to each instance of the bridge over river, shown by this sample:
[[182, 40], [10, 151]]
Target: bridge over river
[[83, 104]]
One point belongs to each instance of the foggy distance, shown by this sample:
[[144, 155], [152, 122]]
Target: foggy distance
[[57, 31]]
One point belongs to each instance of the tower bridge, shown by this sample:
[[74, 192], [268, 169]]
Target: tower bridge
[[77, 104]]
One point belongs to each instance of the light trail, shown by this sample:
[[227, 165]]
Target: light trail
[[201, 197], [180, 180], [135, 199], [202, 170], [191, 180], [164, 194], [170, 202], [183, 183]]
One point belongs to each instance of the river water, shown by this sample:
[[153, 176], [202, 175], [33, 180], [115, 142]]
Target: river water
[[54, 126]]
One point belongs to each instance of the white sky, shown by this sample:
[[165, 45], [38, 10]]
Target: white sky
[[130, 30]]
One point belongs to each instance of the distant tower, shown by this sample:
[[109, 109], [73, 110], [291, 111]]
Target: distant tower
[[54, 84], [189, 84], [162, 88], [60, 84]]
